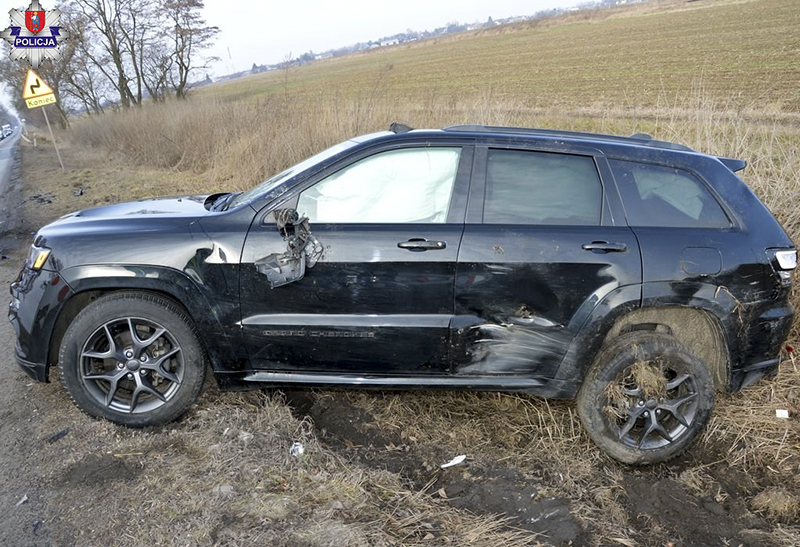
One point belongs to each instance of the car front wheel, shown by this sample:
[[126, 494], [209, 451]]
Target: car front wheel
[[646, 398], [133, 358]]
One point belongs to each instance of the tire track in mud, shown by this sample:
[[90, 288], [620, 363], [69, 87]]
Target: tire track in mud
[[477, 486], [660, 504]]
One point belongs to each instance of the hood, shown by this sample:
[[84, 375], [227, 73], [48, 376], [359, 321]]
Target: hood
[[146, 215], [153, 231], [184, 207]]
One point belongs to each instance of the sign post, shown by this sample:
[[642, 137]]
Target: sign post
[[38, 94]]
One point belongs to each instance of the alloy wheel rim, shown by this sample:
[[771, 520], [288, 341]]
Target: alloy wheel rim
[[650, 405], [131, 365]]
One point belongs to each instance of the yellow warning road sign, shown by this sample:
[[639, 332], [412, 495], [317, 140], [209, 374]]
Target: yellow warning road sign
[[37, 93]]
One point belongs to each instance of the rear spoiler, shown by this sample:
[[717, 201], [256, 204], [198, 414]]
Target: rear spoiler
[[732, 164]]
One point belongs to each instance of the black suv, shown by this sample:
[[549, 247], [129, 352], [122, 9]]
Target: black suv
[[637, 276]]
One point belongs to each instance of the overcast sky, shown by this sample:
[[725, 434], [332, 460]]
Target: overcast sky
[[264, 32]]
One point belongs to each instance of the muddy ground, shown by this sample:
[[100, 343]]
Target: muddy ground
[[654, 497]]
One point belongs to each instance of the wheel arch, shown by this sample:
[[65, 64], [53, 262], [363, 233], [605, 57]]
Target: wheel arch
[[712, 313], [92, 282], [696, 328]]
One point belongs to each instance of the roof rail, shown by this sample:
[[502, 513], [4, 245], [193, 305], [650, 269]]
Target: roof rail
[[638, 138], [398, 128]]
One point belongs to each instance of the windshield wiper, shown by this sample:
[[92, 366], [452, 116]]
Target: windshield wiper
[[221, 203], [228, 200]]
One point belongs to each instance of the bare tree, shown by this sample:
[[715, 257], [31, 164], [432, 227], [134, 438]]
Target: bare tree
[[13, 75], [55, 73], [105, 17], [286, 69], [84, 82], [158, 64], [121, 52], [189, 35]]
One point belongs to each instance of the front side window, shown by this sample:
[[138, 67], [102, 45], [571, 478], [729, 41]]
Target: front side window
[[397, 186], [524, 187], [656, 195]]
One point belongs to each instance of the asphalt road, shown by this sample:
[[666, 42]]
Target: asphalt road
[[24, 499], [10, 188]]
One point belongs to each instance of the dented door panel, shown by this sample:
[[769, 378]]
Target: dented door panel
[[523, 293], [375, 298]]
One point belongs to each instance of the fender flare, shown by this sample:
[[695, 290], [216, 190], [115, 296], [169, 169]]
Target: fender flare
[[226, 353], [715, 300]]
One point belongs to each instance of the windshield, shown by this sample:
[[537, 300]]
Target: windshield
[[280, 178]]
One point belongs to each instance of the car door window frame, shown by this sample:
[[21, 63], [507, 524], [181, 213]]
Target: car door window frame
[[458, 199], [611, 205]]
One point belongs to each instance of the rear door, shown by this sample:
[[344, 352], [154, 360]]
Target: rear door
[[380, 298], [540, 250]]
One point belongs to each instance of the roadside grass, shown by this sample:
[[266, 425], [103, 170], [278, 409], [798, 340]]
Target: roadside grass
[[223, 475]]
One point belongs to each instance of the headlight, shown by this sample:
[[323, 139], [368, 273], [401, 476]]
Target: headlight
[[38, 257]]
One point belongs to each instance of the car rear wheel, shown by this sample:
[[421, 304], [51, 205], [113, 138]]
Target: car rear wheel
[[133, 358], [646, 398]]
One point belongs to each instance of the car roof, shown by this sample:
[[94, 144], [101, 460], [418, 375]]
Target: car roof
[[483, 131]]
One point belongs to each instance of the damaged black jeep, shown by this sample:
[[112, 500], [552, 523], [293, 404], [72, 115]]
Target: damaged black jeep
[[639, 277]]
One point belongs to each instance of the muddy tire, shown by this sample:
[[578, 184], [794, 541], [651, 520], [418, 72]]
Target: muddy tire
[[133, 358], [646, 398]]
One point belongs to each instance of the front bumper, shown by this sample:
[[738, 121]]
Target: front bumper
[[37, 371], [37, 297]]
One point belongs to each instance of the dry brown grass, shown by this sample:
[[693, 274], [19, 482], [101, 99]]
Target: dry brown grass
[[224, 476], [778, 504]]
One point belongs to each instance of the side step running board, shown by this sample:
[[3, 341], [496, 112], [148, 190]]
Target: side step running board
[[498, 383]]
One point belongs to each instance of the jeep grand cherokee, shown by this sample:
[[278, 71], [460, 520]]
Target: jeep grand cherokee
[[637, 276]]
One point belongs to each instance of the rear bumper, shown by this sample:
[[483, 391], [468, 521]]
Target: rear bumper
[[761, 343]]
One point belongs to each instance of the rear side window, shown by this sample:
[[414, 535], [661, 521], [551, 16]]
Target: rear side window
[[525, 187], [655, 195]]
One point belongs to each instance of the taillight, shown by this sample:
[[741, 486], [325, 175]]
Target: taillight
[[783, 262], [787, 260]]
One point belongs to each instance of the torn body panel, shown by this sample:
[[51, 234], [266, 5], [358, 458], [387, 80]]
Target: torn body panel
[[302, 250], [517, 311], [514, 349], [368, 305]]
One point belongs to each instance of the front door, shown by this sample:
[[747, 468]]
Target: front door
[[539, 252], [380, 297]]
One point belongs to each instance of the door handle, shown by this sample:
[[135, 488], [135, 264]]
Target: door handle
[[418, 244], [605, 247]]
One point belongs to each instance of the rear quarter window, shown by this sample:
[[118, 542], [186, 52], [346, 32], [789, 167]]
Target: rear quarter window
[[660, 196]]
